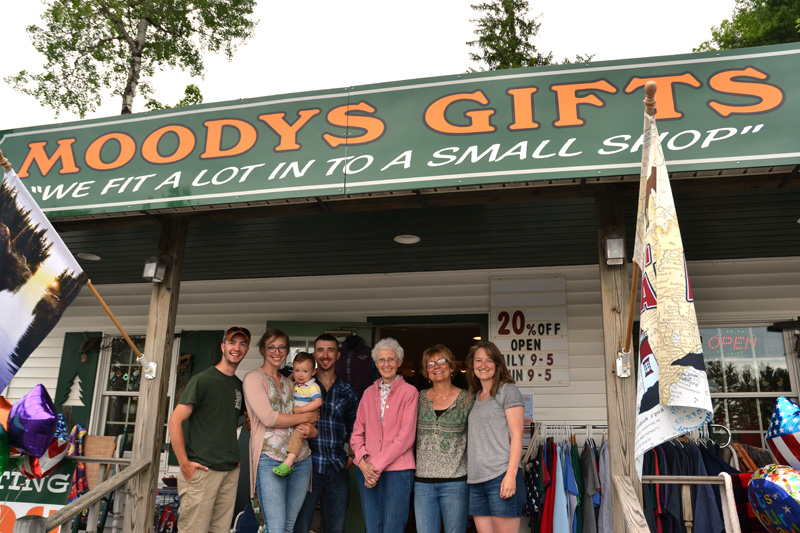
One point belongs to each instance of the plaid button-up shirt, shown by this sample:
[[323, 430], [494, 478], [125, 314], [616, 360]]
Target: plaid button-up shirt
[[336, 418]]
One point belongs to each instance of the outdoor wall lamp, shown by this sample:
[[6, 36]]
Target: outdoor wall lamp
[[614, 246], [155, 268]]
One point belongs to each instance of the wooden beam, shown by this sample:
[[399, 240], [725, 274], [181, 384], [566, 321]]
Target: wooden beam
[[149, 432], [30, 524], [632, 509], [620, 392]]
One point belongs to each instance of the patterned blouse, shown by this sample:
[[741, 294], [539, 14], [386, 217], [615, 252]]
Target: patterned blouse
[[277, 439], [442, 440]]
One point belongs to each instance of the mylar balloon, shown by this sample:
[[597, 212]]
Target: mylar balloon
[[5, 449], [32, 422], [774, 494], [5, 408]]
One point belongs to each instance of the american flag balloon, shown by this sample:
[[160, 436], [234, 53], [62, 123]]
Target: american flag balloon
[[33, 468], [783, 437]]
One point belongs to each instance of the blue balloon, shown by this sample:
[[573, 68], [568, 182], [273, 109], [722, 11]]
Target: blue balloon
[[774, 494]]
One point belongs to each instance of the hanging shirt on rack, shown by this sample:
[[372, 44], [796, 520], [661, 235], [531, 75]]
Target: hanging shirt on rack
[[604, 520], [571, 487], [550, 487], [576, 470], [673, 516], [560, 518], [591, 486], [707, 516]]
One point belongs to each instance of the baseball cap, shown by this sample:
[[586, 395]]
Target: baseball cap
[[236, 330]]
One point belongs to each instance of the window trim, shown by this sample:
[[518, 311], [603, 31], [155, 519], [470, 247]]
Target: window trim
[[99, 402]]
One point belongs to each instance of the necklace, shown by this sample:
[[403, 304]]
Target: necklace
[[443, 396]]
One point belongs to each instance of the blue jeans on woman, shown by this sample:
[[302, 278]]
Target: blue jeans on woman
[[281, 497], [386, 505], [446, 502]]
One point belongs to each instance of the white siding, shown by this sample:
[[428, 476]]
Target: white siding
[[727, 293]]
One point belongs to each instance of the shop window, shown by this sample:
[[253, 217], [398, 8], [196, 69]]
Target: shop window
[[118, 380], [747, 370]]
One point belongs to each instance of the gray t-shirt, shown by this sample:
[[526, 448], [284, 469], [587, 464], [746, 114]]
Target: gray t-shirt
[[489, 441]]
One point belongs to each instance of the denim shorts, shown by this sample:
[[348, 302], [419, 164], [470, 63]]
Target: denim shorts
[[485, 500]]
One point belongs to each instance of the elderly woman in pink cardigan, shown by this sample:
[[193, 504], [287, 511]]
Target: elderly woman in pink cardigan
[[383, 443]]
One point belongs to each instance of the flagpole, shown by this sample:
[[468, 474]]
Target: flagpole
[[149, 367], [649, 108], [114, 320], [4, 162]]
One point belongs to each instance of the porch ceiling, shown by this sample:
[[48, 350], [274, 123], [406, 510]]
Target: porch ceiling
[[721, 218]]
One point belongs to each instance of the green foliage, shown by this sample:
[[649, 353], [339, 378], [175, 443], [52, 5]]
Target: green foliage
[[756, 23], [191, 96], [94, 45], [504, 36]]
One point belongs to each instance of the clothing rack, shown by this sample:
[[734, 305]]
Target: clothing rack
[[571, 426]]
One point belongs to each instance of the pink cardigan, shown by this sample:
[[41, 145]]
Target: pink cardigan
[[390, 445]]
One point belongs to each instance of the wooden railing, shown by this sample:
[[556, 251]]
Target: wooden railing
[[39, 524]]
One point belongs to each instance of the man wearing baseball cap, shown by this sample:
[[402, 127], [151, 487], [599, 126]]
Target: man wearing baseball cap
[[207, 450]]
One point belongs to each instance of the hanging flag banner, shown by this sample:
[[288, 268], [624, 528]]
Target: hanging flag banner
[[672, 394], [39, 277]]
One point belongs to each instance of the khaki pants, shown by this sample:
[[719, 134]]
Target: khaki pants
[[207, 501], [295, 443]]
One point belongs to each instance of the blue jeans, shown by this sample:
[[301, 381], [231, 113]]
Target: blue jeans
[[333, 489], [386, 505], [436, 502], [281, 497]]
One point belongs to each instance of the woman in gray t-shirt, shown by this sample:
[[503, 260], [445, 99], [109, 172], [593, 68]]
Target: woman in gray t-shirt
[[494, 476]]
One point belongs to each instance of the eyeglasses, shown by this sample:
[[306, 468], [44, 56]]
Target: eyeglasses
[[440, 362], [390, 360], [282, 348]]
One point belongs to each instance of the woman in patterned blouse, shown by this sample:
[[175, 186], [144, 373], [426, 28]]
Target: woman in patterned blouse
[[270, 399], [441, 494]]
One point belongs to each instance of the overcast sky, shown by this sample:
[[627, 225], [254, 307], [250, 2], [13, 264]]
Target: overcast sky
[[322, 44]]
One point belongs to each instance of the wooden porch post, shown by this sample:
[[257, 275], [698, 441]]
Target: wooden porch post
[[149, 433], [620, 392]]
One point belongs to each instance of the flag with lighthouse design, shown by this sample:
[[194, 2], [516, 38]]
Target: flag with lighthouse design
[[672, 388]]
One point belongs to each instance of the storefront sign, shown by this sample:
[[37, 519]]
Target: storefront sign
[[529, 326], [32, 497], [717, 110]]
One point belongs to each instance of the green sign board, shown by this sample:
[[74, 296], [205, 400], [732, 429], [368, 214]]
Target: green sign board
[[717, 110]]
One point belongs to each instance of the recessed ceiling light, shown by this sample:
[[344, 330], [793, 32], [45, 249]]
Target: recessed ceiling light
[[88, 257], [406, 239]]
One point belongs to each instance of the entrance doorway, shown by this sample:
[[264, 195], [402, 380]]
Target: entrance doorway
[[418, 333]]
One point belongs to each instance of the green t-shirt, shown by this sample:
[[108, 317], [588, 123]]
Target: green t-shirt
[[217, 402]]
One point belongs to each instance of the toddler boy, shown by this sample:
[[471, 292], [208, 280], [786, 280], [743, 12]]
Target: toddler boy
[[307, 397]]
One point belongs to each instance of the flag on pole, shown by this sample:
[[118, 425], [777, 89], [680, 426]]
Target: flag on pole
[[39, 277], [672, 394]]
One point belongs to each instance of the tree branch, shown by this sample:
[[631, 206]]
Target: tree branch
[[118, 23]]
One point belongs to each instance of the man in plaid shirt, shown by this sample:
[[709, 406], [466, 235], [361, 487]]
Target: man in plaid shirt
[[330, 481]]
